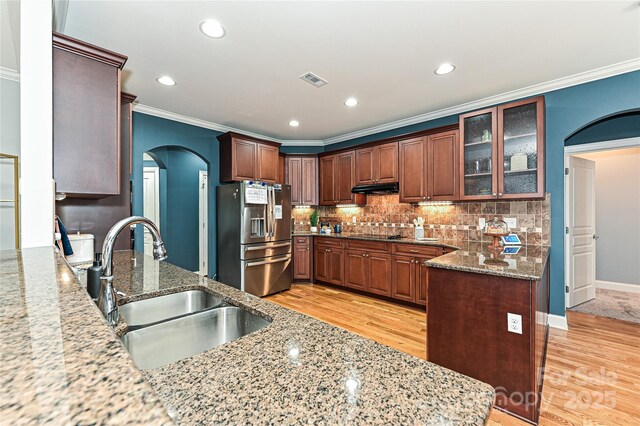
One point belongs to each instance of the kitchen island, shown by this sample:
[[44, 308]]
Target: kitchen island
[[60, 361], [487, 318]]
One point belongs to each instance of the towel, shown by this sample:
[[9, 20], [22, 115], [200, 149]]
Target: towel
[[64, 238]]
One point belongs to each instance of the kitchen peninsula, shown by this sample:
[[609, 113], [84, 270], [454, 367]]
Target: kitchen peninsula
[[295, 370]]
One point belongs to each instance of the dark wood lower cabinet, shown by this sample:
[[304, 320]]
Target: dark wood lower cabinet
[[356, 269], [370, 266], [368, 271], [404, 278], [328, 265], [379, 266], [468, 333], [302, 259]]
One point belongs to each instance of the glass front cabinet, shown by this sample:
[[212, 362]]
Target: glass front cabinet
[[502, 152]]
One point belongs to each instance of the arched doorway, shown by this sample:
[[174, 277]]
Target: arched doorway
[[173, 195]]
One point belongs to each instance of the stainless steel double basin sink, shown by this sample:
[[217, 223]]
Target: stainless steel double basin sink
[[168, 328]]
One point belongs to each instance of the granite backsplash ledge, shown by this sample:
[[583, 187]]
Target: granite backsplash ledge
[[385, 215]]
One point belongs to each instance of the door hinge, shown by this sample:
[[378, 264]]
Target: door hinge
[[566, 230], [566, 171], [566, 289]]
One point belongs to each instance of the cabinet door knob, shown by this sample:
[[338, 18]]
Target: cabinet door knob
[[428, 198], [494, 194], [499, 194]]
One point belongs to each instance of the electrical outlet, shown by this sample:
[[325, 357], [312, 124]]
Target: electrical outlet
[[511, 222], [481, 223], [514, 323], [354, 219]]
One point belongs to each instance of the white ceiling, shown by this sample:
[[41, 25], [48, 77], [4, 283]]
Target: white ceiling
[[383, 53]]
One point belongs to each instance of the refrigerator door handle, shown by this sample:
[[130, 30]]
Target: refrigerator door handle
[[266, 247], [272, 206], [267, 262]]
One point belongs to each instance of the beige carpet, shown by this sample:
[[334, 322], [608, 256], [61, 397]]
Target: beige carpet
[[613, 304]]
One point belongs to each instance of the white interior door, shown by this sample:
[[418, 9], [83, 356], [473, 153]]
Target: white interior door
[[203, 222], [151, 203], [580, 231]]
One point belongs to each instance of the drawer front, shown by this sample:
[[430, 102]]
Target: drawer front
[[301, 241], [328, 242], [369, 245], [416, 250]]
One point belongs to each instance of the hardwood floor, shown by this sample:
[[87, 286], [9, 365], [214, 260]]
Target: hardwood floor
[[592, 371]]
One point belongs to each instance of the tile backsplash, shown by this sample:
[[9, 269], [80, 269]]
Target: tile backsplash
[[385, 215]]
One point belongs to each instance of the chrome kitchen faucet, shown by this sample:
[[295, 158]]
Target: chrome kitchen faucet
[[107, 301]]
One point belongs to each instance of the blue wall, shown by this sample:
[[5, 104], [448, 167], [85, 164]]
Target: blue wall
[[151, 133], [567, 111], [179, 201], [301, 149]]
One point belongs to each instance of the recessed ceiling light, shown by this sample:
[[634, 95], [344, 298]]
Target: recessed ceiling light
[[166, 80], [445, 69], [351, 102], [294, 123], [212, 28]]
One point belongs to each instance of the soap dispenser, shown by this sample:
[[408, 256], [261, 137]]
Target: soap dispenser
[[93, 277]]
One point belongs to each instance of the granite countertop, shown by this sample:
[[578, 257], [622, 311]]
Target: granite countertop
[[60, 363], [527, 264], [372, 237], [60, 360]]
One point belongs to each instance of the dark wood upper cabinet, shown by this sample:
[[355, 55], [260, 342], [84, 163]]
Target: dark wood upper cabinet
[[387, 163], [442, 169], [310, 181], [268, 160], [502, 152], [346, 171], [327, 179], [302, 176], [377, 164], [294, 178], [246, 158], [337, 177], [86, 118], [282, 167], [521, 159], [429, 168], [413, 170], [365, 174]]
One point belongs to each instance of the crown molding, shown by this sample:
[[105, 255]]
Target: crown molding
[[536, 89], [157, 112], [9, 74]]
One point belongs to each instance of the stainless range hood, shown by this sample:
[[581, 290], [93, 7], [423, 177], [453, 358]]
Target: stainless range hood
[[377, 188]]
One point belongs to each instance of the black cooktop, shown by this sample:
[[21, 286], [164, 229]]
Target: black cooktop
[[395, 237]]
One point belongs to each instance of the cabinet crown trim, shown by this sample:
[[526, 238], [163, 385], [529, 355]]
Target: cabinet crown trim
[[88, 50]]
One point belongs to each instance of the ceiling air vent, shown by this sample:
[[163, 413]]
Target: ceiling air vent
[[311, 78]]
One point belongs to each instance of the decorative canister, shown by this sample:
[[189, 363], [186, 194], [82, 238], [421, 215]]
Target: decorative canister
[[419, 233]]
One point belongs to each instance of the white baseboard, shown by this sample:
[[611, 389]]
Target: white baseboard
[[557, 321], [610, 285]]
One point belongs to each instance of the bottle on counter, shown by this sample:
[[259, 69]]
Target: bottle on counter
[[93, 277]]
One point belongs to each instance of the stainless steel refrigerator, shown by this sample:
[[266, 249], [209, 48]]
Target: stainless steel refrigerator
[[254, 237]]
